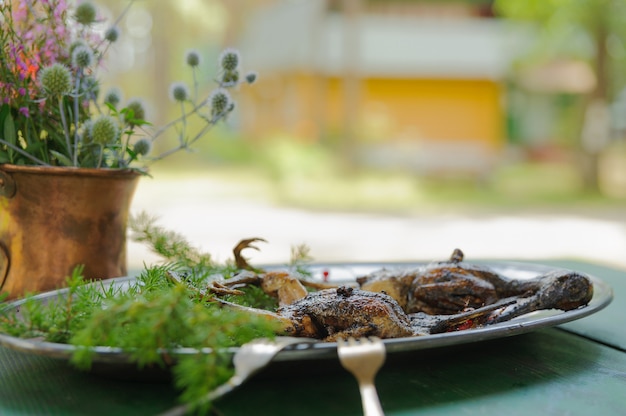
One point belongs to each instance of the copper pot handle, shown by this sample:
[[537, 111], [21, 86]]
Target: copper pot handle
[[7, 189], [7, 185], [4, 265]]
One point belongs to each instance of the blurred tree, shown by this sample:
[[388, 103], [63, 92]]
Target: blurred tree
[[590, 30]]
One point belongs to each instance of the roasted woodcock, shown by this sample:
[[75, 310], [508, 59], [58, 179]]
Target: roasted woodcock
[[453, 286], [438, 297]]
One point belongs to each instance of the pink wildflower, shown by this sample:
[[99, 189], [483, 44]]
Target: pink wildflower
[[24, 111]]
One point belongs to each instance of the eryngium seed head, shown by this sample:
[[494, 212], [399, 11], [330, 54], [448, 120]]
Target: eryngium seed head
[[251, 77], [104, 130], [113, 97], [56, 80], [179, 91], [230, 77], [192, 58], [219, 101], [112, 34], [229, 59], [85, 13], [138, 109], [77, 44], [142, 147], [90, 87], [82, 57]]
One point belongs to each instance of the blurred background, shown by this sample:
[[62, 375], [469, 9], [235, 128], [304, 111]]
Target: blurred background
[[391, 130]]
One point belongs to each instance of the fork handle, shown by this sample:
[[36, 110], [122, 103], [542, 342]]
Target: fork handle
[[370, 401], [216, 393]]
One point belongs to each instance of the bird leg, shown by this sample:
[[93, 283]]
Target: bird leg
[[240, 261]]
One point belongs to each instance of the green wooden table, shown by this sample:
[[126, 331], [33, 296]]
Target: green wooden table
[[576, 369]]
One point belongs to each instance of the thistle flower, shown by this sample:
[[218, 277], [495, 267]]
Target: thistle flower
[[47, 79], [220, 101], [251, 77], [230, 77], [113, 97], [192, 58], [56, 80], [90, 87], [104, 130], [82, 57], [85, 13], [142, 147], [77, 44], [138, 109], [179, 91], [112, 34], [229, 59]]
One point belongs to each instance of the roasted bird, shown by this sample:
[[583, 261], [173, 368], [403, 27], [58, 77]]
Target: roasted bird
[[345, 312], [342, 312], [454, 286], [440, 297], [331, 314]]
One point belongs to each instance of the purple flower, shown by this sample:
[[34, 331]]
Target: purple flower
[[21, 91], [24, 111]]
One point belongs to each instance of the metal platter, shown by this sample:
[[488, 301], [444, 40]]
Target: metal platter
[[344, 273]]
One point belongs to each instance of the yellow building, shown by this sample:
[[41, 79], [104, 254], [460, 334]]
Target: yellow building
[[424, 93]]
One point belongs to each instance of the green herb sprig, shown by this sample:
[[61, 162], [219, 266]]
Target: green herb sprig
[[150, 318]]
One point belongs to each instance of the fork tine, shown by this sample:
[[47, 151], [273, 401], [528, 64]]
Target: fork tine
[[363, 358]]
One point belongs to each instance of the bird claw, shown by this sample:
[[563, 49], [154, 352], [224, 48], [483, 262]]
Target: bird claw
[[240, 261]]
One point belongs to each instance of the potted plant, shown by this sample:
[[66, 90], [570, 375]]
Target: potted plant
[[71, 156]]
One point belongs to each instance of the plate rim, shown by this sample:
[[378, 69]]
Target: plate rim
[[602, 297]]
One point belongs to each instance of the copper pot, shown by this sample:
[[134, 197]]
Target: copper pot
[[54, 218]]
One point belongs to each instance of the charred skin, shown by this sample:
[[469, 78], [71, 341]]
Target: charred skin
[[442, 288], [395, 283], [440, 297], [453, 286], [331, 314], [564, 290]]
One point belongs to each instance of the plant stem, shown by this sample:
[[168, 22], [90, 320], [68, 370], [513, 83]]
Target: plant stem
[[195, 86], [101, 155], [181, 137], [24, 153], [115, 23], [65, 129], [76, 100], [165, 127], [199, 135]]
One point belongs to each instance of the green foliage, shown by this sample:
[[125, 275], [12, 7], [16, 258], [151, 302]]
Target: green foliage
[[300, 256], [153, 316], [151, 323], [569, 28], [170, 245], [253, 296], [149, 319], [52, 115], [57, 320]]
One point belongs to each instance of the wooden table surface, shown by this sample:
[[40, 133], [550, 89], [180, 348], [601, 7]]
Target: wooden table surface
[[576, 369]]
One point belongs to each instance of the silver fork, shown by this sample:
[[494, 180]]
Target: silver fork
[[248, 360], [363, 358]]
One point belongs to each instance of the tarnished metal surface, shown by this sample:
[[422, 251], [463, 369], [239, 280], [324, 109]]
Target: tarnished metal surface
[[58, 218], [7, 185]]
